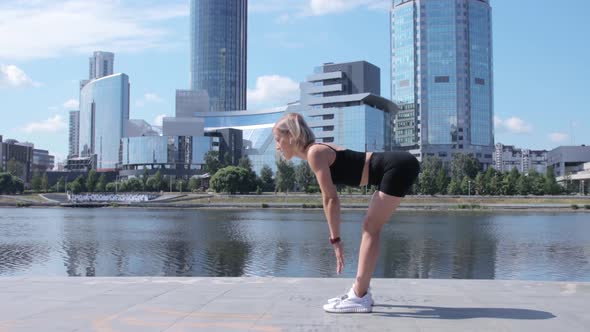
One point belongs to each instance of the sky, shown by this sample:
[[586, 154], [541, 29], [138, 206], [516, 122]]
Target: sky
[[540, 60]]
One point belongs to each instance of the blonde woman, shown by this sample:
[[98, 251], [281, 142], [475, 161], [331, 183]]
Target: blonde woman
[[392, 172]]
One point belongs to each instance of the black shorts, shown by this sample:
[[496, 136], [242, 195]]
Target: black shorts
[[393, 172]]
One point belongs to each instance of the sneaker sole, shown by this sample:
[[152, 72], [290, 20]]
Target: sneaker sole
[[348, 310]]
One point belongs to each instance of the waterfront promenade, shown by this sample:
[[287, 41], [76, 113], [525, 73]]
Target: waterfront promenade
[[108, 304]]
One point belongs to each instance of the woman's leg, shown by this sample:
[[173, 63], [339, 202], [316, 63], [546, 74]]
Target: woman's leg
[[380, 210]]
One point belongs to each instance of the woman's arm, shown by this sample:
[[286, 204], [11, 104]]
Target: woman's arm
[[319, 164]]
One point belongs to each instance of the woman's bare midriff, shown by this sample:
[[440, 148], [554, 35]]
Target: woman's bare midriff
[[365, 177]]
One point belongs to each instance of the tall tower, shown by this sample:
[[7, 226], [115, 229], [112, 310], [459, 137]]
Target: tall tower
[[218, 32], [441, 77], [101, 65], [74, 134]]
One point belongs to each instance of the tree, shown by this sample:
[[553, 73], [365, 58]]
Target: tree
[[285, 179], [245, 163], [6, 183], [232, 179], [454, 187], [91, 181], [134, 184], [111, 187], [101, 185], [479, 184], [152, 185], [429, 167], [45, 183], [75, 186], [181, 185], [145, 177], [212, 163], [158, 181], [304, 177], [194, 184], [36, 182], [442, 181], [537, 182], [464, 165], [268, 183], [15, 168], [523, 186], [60, 185], [510, 181], [551, 185]]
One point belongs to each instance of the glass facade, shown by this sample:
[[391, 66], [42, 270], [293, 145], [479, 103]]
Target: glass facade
[[165, 151], [441, 76], [360, 128], [218, 51], [104, 111]]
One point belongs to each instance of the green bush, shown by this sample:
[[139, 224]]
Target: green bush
[[574, 206], [23, 204], [264, 205], [587, 206]]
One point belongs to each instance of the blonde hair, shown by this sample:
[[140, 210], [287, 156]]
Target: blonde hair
[[293, 125]]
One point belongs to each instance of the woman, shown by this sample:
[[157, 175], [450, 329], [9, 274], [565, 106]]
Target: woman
[[392, 172]]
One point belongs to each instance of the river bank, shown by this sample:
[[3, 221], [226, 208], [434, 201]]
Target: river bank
[[307, 201]]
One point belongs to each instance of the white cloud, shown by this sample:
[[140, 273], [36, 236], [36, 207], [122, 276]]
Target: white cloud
[[152, 97], [82, 26], [322, 7], [558, 137], [12, 76], [273, 89], [71, 104], [513, 125], [148, 98], [51, 125], [159, 119]]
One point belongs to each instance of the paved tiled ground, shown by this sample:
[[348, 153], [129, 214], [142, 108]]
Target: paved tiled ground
[[288, 304]]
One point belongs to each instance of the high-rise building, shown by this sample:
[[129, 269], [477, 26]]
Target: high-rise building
[[21, 154], [74, 134], [104, 113], [441, 78], [101, 64], [218, 32], [42, 161]]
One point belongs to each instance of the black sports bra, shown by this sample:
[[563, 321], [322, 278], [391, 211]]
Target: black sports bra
[[347, 167]]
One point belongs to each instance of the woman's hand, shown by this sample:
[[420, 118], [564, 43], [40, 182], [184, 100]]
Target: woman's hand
[[339, 252]]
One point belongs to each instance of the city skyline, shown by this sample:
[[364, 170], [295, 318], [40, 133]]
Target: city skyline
[[536, 70]]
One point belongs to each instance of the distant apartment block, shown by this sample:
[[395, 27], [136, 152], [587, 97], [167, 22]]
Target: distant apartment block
[[507, 157], [74, 134]]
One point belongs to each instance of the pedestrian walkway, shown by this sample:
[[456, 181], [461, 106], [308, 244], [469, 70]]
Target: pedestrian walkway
[[287, 304]]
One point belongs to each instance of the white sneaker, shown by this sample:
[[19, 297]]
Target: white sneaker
[[343, 297], [351, 303]]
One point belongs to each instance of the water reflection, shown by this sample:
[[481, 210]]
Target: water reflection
[[292, 243]]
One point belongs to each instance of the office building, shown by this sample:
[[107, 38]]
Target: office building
[[441, 78], [42, 161], [104, 112], [19, 153], [218, 34], [567, 160]]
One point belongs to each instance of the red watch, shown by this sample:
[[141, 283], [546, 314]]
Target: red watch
[[334, 240]]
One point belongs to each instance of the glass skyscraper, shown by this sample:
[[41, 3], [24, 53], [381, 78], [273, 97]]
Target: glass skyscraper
[[441, 77], [104, 112], [218, 32]]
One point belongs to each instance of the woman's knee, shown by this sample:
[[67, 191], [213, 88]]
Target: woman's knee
[[372, 226]]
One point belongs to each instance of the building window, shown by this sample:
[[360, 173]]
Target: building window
[[480, 81], [327, 116], [441, 79], [328, 139], [328, 128], [404, 83]]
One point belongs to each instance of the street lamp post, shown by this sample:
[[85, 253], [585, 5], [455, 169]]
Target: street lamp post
[[469, 191]]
